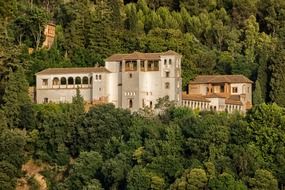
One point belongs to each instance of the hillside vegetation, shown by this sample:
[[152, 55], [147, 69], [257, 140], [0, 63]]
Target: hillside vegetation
[[109, 148]]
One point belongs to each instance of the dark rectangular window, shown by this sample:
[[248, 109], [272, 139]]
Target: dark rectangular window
[[234, 90], [142, 66], [167, 73], [130, 103], [121, 66], [167, 85], [45, 100], [222, 88]]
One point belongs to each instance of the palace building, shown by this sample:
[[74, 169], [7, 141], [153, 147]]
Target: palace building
[[219, 93], [130, 81]]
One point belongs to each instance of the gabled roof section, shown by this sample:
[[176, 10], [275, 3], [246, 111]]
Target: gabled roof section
[[75, 70], [194, 97], [214, 95], [206, 79], [140, 56]]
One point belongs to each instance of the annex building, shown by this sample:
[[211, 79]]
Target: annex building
[[219, 93], [130, 81]]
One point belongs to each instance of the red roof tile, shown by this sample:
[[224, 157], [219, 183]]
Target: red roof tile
[[75, 70], [201, 79], [139, 56]]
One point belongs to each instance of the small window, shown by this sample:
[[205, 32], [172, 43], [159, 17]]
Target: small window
[[247, 89], [222, 88], [165, 61], [45, 100], [150, 104], [142, 66], [70, 80], [45, 82], [130, 75], [55, 81], [234, 90], [143, 103], [85, 80], [167, 73], [130, 103], [100, 77], [121, 66], [167, 85], [100, 89], [170, 61], [63, 81], [96, 77], [77, 80]]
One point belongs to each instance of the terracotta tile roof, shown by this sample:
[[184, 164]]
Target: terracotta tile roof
[[229, 101], [139, 56], [75, 70], [194, 97], [235, 97], [201, 79], [214, 95]]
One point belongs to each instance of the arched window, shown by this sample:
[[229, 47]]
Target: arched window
[[63, 81], [100, 77], [55, 81], [150, 104], [91, 80], [70, 80], [170, 61], [77, 80], [85, 80], [130, 103]]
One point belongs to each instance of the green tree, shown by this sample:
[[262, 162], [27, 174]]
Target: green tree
[[225, 181], [84, 170], [264, 180], [277, 93], [15, 97], [257, 97], [191, 179], [29, 26]]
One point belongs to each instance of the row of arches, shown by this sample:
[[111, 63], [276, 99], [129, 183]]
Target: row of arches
[[71, 81], [196, 104], [74, 80]]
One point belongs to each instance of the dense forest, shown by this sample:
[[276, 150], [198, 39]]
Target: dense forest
[[110, 148]]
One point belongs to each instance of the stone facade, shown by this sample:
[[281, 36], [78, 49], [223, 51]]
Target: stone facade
[[130, 81], [220, 93], [49, 33]]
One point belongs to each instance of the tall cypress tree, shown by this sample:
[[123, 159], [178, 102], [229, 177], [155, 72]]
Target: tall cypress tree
[[277, 81], [15, 97], [257, 97]]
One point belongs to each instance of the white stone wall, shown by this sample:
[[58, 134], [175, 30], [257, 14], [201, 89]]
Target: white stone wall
[[62, 95]]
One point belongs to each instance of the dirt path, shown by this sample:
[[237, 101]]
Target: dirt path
[[32, 170]]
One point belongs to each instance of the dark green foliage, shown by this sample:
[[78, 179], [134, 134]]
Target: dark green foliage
[[16, 98], [98, 129], [84, 170], [109, 148], [257, 94], [263, 179], [277, 93]]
